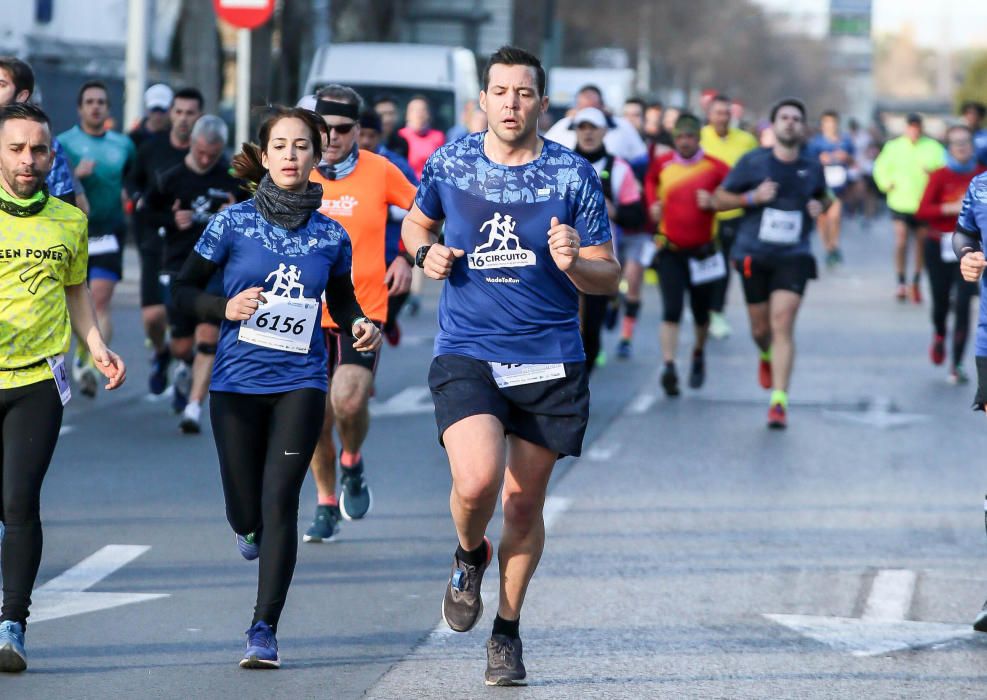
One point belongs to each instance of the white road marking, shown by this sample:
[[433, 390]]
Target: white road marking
[[890, 595], [554, 507], [410, 400], [882, 628], [65, 430], [641, 403], [66, 594], [880, 414], [601, 452]]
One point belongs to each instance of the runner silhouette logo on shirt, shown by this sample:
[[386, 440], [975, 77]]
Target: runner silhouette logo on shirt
[[503, 246], [286, 281]]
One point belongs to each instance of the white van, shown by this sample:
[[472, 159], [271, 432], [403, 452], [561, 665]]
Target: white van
[[445, 75], [616, 84]]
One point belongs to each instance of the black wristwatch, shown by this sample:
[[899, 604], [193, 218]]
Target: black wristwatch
[[421, 254]]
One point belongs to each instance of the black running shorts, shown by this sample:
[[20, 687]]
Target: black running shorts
[[151, 288], [341, 352], [763, 275], [909, 219], [552, 413]]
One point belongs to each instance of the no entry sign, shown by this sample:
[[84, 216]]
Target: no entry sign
[[244, 14]]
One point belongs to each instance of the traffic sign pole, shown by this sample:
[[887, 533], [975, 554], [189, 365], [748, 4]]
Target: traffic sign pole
[[242, 87], [135, 74], [244, 15]]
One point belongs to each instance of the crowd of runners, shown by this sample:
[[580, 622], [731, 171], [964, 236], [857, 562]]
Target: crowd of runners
[[269, 281]]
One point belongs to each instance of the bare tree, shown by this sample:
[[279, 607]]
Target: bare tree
[[698, 44], [200, 52]]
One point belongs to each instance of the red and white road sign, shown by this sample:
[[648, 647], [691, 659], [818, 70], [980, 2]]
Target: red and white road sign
[[244, 14]]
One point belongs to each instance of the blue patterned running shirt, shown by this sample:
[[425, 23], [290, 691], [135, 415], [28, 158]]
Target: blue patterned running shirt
[[505, 299], [297, 264], [973, 221]]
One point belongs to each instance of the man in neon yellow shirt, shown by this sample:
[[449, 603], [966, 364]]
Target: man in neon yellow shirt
[[43, 298], [726, 143], [901, 171]]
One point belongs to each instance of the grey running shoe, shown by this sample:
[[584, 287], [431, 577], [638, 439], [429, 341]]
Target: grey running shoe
[[980, 623], [355, 498], [325, 527], [504, 663], [462, 605]]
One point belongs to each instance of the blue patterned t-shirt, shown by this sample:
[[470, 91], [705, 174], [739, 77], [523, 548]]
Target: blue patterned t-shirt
[[252, 252], [59, 178], [973, 221], [505, 299]]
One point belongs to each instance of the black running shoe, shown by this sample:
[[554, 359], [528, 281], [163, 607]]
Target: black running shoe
[[504, 663], [355, 498], [697, 373], [462, 605], [670, 381], [980, 622]]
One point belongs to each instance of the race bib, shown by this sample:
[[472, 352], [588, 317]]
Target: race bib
[[836, 175], [57, 365], [780, 227], [946, 249], [281, 323], [103, 245], [706, 270], [516, 375]]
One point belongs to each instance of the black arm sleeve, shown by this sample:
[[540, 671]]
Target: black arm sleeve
[[630, 216], [964, 243], [68, 197], [186, 290], [341, 302]]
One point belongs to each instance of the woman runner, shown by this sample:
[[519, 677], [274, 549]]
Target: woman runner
[[276, 255]]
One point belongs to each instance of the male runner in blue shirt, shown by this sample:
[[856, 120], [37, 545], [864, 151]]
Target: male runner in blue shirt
[[526, 230]]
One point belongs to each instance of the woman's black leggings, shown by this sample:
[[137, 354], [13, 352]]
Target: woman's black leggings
[[943, 278], [30, 418], [265, 443]]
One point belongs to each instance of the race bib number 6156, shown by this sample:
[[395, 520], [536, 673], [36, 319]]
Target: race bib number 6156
[[282, 323]]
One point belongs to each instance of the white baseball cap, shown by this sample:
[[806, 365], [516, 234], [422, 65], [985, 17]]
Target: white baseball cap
[[158, 96], [590, 115]]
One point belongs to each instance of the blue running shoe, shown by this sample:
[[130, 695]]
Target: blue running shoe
[[13, 658], [262, 648], [158, 381], [325, 527], [249, 545], [355, 498], [181, 385]]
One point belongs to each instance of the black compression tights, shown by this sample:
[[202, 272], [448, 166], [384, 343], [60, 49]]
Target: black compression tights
[[265, 443], [943, 279], [30, 418], [592, 313]]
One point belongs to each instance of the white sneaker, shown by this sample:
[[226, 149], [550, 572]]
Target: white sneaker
[[191, 417], [718, 326]]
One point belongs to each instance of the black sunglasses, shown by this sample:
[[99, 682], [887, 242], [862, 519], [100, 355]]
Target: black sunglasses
[[340, 128]]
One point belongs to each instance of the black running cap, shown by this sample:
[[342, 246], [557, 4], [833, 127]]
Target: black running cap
[[914, 118], [337, 109]]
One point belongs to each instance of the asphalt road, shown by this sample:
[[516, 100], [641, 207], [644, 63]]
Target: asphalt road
[[683, 527]]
